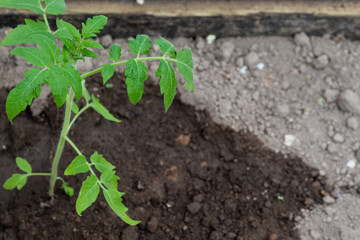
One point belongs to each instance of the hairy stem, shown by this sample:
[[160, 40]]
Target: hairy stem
[[88, 74], [60, 146]]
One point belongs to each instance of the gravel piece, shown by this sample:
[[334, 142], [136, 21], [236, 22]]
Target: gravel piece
[[227, 49], [251, 59], [320, 62], [282, 109], [106, 40], [339, 138], [130, 233], [152, 225], [351, 163], [331, 95], [273, 237], [315, 235], [194, 207], [200, 43], [240, 62], [301, 39], [349, 101], [353, 123], [328, 200]]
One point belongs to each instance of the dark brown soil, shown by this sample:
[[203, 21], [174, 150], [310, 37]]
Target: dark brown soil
[[219, 185]]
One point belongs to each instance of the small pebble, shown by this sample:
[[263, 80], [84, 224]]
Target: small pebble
[[273, 237], [301, 39], [315, 235], [152, 224], [339, 138], [353, 123], [328, 199], [210, 38], [349, 101], [251, 59], [351, 163], [194, 207], [260, 66], [320, 62], [289, 140]]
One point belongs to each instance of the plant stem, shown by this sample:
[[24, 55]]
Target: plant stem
[[73, 145], [39, 174], [60, 146], [85, 75], [77, 115], [46, 22]]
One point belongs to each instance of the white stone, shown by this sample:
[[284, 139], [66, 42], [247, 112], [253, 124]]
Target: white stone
[[289, 140], [351, 163]]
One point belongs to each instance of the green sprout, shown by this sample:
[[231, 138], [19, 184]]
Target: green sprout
[[56, 68]]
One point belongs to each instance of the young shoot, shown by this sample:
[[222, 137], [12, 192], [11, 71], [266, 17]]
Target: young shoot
[[56, 68]]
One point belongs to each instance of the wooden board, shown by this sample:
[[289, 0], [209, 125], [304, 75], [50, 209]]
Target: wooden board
[[222, 18]]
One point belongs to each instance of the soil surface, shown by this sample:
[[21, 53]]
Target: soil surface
[[299, 95], [185, 177]]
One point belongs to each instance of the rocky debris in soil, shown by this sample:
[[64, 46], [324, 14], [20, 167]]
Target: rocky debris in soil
[[106, 41], [130, 233], [320, 62], [152, 225], [301, 39], [352, 123], [331, 95], [251, 59], [349, 101], [338, 221]]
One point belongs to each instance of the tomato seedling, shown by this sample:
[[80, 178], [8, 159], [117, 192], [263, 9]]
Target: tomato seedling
[[56, 67]]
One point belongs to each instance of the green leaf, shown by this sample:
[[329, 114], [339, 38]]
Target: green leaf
[[74, 77], [78, 165], [168, 82], [109, 179], [107, 71], [55, 7], [48, 44], [92, 44], [67, 189], [113, 198], [186, 67], [87, 53], [98, 107], [23, 4], [140, 45], [33, 55], [16, 180], [93, 26], [67, 31], [101, 163], [23, 94], [23, 165], [24, 33], [166, 47], [58, 85], [74, 108], [115, 52], [135, 77], [88, 194]]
